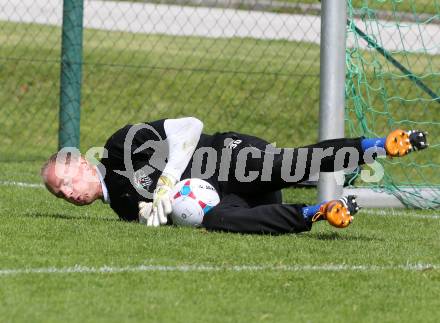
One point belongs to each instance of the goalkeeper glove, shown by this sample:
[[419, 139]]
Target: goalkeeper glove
[[145, 213], [155, 213]]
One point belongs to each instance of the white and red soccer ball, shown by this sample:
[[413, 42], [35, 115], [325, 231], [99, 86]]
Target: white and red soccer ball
[[191, 199]]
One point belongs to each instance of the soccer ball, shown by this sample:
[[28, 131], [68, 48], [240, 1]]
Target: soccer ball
[[191, 199]]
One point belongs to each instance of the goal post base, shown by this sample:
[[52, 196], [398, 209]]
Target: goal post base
[[421, 197]]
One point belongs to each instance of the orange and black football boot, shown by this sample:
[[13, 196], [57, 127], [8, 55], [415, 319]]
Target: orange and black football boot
[[339, 213], [400, 142]]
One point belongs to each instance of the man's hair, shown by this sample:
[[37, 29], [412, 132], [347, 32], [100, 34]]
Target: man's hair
[[51, 161]]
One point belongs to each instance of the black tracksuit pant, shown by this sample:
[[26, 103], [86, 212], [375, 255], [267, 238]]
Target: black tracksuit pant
[[256, 206]]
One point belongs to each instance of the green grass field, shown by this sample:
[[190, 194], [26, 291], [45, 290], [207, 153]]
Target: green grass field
[[60, 263], [362, 274], [242, 84]]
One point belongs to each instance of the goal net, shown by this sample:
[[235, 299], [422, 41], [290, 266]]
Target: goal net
[[393, 81]]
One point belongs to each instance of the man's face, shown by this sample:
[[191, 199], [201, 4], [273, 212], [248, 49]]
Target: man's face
[[75, 181]]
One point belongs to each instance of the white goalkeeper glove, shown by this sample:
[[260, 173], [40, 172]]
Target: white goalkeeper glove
[[155, 213], [145, 212]]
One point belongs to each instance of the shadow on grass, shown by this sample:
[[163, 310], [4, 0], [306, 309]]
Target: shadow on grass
[[343, 237], [68, 217]]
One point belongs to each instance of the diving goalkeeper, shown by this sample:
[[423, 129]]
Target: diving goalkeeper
[[143, 162]]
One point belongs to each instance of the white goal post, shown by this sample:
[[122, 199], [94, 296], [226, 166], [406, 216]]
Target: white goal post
[[331, 117], [332, 86]]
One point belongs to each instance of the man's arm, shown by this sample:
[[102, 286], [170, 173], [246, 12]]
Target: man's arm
[[182, 136]]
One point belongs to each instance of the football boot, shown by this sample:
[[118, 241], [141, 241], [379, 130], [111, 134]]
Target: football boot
[[400, 142], [339, 213]]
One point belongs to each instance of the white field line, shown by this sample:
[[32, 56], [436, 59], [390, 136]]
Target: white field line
[[176, 20], [21, 184], [78, 269]]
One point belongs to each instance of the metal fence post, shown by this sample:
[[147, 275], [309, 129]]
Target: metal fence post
[[71, 67]]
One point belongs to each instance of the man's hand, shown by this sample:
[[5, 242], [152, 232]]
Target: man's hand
[[145, 213], [162, 198], [155, 213]]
